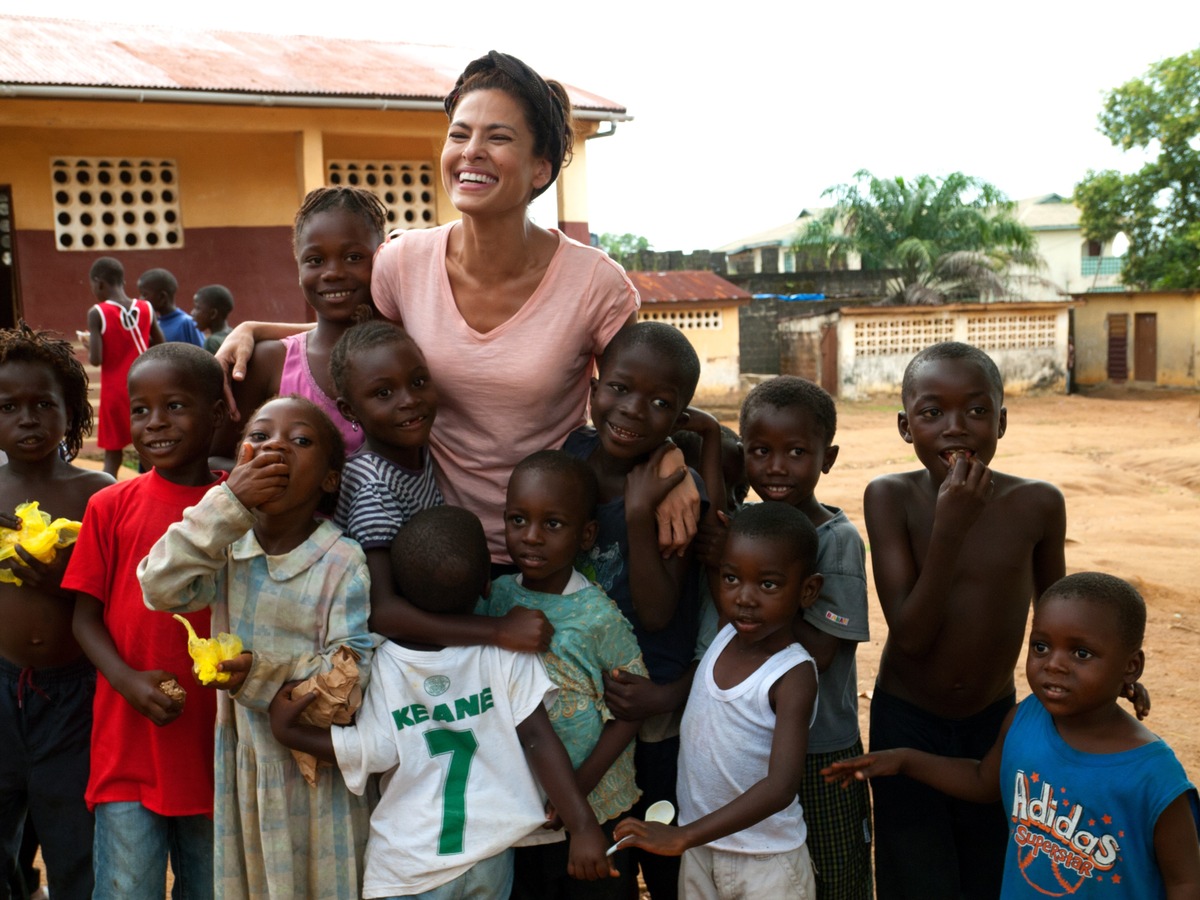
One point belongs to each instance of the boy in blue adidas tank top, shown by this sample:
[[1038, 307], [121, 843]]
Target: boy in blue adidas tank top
[[1098, 805]]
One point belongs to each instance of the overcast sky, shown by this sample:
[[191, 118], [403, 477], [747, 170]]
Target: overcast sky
[[746, 111]]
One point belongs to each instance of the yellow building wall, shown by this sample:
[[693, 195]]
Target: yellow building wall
[[1178, 327], [243, 166], [717, 347]]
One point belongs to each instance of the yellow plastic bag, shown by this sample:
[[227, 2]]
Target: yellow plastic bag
[[38, 535], [207, 652]]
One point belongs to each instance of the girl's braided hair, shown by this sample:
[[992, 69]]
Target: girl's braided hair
[[354, 200], [23, 344]]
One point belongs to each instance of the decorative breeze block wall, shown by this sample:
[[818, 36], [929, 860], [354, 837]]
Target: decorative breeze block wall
[[115, 203], [405, 188], [683, 319]]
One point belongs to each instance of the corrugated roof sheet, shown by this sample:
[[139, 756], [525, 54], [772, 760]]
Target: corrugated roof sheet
[[685, 286], [91, 54]]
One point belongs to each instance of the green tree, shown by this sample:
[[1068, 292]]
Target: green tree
[[624, 248], [951, 238], [1158, 207]]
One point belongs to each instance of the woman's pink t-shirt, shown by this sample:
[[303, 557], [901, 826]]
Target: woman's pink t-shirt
[[517, 389]]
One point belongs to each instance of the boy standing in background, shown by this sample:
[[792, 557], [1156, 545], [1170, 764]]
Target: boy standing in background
[[158, 288], [959, 552], [788, 425]]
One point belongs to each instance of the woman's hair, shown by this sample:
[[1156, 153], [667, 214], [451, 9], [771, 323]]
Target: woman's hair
[[23, 344], [354, 200], [357, 340], [546, 104]]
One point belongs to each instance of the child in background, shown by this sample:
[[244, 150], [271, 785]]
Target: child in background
[[294, 590], [158, 287], [151, 765], [958, 552], [119, 329], [741, 829], [1099, 805], [211, 307], [550, 518], [447, 725], [335, 235], [788, 425], [384, 388], [646, 379], [46, 682]]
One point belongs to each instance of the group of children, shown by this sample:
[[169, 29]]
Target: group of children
[[120, 328], [722, 680]]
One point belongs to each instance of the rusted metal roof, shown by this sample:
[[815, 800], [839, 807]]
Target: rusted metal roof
[[686, 286], [59, 52]]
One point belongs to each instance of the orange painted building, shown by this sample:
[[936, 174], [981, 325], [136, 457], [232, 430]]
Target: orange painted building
[[191, 151]]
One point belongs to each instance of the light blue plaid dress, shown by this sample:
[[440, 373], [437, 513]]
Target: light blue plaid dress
[[276, 837]]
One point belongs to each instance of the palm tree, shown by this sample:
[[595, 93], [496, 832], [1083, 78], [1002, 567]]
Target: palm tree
[[951, 238]]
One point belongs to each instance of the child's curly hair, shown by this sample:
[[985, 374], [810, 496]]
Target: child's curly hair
[[23, 344]]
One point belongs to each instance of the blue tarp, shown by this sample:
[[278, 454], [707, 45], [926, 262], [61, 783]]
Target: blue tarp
[[789, 297]]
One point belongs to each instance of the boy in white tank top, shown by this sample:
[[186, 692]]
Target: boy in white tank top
[[745, 727]]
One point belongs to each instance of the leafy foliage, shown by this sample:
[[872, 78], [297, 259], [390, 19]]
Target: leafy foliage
[[624, 248], [1158, 207], [951, 238]]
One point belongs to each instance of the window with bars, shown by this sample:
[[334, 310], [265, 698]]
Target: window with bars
[[683, 319], [883, 337], [406, 188], [1012, 332], [115, 203]]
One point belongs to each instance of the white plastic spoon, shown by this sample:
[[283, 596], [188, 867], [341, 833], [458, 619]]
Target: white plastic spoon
[[661, 812]]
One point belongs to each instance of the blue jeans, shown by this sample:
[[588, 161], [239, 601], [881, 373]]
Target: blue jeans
[[131, 850], [488, 879]]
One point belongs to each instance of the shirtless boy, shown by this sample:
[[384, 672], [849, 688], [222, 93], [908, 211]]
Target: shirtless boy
[[959, 551]]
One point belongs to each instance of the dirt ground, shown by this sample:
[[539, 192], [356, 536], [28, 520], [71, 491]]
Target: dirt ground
[[1128, 463]]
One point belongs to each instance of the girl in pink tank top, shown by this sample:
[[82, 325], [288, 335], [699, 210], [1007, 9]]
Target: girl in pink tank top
[[336, 232]]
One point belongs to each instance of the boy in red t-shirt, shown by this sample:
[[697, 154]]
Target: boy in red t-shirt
[[151, 781]]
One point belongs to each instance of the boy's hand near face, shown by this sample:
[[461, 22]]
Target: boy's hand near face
[[257, 477], [964, 492]]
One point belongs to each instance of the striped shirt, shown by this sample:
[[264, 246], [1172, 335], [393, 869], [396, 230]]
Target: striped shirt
[[378, 497]]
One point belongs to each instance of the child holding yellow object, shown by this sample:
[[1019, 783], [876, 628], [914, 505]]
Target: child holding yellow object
[[46, 683], [295, 591], [36, 534]]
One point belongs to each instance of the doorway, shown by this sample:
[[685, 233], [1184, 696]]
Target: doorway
[[1145, 347], [1118, 347], [10, 310]]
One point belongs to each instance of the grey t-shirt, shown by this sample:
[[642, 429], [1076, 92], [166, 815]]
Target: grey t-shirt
[[841, 611]]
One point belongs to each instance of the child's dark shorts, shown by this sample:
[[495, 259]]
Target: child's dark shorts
[[45, 733], [927, 844]]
